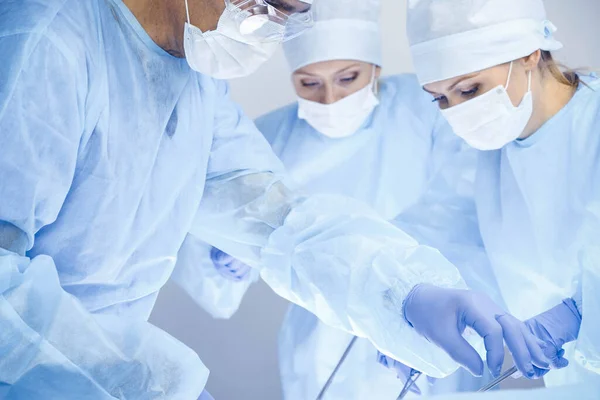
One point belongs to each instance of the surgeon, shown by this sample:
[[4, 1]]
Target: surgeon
[[120, 149], [490, 68], [352, 133]]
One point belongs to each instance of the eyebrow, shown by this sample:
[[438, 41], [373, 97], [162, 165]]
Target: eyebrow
[[464, 78], [337, 72], [283, 5]]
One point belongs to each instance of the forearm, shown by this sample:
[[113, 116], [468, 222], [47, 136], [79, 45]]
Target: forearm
[[331, 255]]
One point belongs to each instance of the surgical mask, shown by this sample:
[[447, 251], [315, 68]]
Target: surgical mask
[[491, 121], [342, 118], [227, 52]]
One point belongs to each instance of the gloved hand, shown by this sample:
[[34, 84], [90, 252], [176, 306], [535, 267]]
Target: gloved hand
[[402, 371], [228, 266], [441, 315], [554, 328], [205, 396]]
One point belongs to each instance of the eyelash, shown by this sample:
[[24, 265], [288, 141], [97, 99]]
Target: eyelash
[[467, 93], [470, 92], [349, 79], [310, 84]]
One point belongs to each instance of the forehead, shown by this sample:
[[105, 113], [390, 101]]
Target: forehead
[[329, 67], [493, 74]]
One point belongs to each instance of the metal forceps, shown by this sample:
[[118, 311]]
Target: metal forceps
[[508, 373], [335, 370], [414, 375]]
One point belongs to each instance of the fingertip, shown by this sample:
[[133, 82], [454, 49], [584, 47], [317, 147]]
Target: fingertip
[[477, 369], [561, 363], [530, 374]]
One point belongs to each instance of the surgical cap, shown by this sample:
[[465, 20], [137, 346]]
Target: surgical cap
[[450, 38], [343, 30]]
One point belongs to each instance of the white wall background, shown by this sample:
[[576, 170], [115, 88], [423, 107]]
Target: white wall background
[[242, 352]]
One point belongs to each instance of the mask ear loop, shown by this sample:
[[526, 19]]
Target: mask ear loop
[[373, 83], [509, 75], [187, 11]]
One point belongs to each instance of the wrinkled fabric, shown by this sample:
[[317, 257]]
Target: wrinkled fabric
[[450, 38], [107, 186], [108, 145], [386, 167], [196, 274], [51, 345], [343, 30], [533, 209], [536, 237]]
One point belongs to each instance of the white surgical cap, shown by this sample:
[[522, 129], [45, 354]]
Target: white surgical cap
[[450, 38], [307, 1], [343, 30]]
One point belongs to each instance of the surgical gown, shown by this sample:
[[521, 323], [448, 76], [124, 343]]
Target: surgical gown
[[536, 208], [113, 153], [535, 212], [386, 163]]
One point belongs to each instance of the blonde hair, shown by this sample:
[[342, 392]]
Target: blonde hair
[[562, 74]]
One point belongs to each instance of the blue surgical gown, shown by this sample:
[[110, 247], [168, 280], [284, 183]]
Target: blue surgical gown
[[536, 208], [387, 163], [113, 153], [534, 212]]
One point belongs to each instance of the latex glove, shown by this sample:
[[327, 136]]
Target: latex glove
[[228, 266], [442, 315], [205, 396], [402, 371], [554, 328]]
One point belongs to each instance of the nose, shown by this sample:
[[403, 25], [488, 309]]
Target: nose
[[328, 96]]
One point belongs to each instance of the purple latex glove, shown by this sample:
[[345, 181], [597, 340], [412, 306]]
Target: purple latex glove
[[441, 315], [228, 266], [402, 371], [554, 328], [205, 396]]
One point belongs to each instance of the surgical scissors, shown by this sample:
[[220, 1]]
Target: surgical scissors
[[414, 375], [335, 370], [509, 372]]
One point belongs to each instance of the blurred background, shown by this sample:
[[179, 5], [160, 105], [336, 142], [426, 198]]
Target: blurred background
[[242, 352]]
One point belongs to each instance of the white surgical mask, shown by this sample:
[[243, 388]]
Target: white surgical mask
[[491, 121], [226, 53], [342, 118]]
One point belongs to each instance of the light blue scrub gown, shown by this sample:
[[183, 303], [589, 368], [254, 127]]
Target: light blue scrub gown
[[108, 145], [537, 207], [387, 164], [534, 210]]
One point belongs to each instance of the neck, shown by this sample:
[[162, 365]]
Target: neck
[[550, 96], [163, 20]]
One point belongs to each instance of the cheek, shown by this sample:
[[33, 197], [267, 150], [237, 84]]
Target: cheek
[[516, 90]]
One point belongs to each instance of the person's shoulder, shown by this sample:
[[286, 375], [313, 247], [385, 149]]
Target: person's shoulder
[[59, 23], [37, 17], [399, 94], [586, 102], [401, 85], [277, 121]]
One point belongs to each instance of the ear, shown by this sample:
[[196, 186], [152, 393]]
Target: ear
[[532, 61]]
